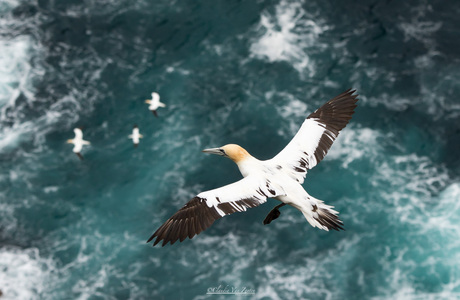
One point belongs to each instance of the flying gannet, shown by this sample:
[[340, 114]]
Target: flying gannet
[[155, 103], [135, 136], [78, 142], [280, 178]]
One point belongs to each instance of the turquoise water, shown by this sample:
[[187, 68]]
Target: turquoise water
[[245, 72]]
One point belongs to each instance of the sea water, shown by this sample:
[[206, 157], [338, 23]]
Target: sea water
[[245, 72]]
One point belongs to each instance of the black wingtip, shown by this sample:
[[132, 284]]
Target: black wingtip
[[155, 113], [150, 239]]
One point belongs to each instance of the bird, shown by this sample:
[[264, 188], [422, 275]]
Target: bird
[[135, 136], [78, 142], [155, 103], [280, 177]]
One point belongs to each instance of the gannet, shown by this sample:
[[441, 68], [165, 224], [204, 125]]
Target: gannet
[[155, 103], [135, 136], [280, 178], [78, 142]]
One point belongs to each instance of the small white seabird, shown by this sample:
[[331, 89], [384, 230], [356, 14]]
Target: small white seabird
[[135, 136], [280, 178], [155, 103], [78, 142]]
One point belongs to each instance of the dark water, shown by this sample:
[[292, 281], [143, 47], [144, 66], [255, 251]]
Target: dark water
[[245, 72]]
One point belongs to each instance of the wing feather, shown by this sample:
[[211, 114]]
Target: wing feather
[[78, 133], [316, 135], [207, 207]]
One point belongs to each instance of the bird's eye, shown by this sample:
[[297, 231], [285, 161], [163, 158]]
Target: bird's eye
[[222, 151]]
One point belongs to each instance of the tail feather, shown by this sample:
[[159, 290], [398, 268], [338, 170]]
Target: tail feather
[[321, 215]]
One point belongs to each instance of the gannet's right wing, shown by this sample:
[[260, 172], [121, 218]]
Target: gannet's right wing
[[78, 133], [155, 97], [201, 212]]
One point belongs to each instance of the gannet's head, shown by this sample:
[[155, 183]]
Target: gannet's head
[[232, 151], [148, 101], [70, 141]]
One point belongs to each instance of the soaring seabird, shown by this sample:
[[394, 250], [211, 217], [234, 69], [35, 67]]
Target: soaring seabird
[[135, 136], [78, 142], [155, 103], [280, 178]]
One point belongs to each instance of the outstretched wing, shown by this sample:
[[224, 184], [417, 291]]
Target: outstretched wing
[[155, 97], [78, 133], [200, 212], [313, 140]]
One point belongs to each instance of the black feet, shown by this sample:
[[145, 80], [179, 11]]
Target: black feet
[[273, 214]]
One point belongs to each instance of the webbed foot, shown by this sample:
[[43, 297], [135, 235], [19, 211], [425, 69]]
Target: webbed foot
[[273, 214]]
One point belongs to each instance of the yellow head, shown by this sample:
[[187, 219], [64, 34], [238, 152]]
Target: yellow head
[[69, 141], [232, 151]]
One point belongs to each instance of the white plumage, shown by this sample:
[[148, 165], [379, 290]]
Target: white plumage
[[78, 142], [135, 136], [279, 178], [155, 103]]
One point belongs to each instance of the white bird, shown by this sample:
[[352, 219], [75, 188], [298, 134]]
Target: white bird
[[135, 136], [280, 178], [155, 103], [78, 142]]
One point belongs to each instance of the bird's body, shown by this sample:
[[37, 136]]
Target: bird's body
[[135, 136], [155, 103], [78, 142], [280, 178]]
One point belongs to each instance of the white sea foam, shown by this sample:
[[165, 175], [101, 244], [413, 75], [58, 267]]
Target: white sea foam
[[25, 274], [308, 277], [88, 287], [419, 28], [14, 67], [6, 6], [438, 225], [414, 192], [354, 144], [287, 36], [15, 74]]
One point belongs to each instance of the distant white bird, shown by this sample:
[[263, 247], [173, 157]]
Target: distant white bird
[[280, 178], [135, 136], [155, 103], [78, 142]]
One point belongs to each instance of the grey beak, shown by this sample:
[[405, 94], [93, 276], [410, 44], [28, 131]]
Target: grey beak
[[217, 151]]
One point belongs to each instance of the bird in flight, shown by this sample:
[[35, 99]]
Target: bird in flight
[[155, 103], [78, 142], [135, 136], [280, 178]]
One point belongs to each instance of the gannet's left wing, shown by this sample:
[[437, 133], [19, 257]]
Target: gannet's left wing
[[313, 140], [200, 212]]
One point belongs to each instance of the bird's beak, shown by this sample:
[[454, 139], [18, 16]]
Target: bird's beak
[[148, 101], [217, 151]]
